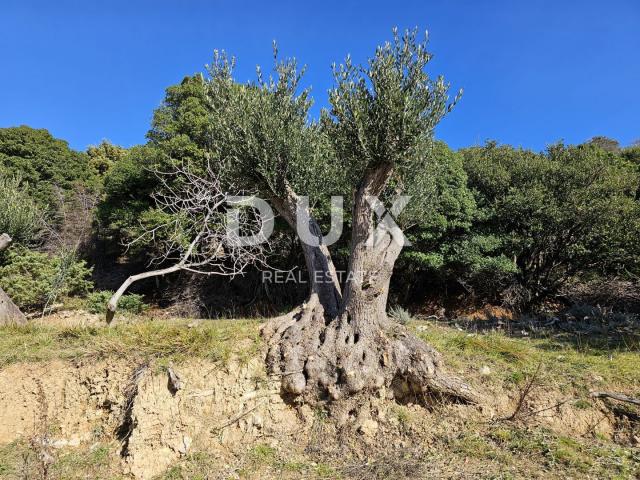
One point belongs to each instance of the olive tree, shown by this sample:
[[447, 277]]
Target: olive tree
[[374, 136], [371, 146]]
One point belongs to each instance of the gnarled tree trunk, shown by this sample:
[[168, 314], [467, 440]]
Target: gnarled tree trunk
[[9, 312], [336, 346]]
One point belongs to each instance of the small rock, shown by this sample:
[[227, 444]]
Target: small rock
[[258, 422], [186, 445], [485, 371], [175, 381], [46, 458], [368, 428]]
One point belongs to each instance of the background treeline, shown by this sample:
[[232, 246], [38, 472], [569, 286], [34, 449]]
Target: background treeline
[[492, 223]]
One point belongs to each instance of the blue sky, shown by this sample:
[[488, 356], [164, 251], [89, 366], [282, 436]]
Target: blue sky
[[533, 72]]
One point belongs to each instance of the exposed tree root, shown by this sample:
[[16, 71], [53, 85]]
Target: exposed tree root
[[327, 360]]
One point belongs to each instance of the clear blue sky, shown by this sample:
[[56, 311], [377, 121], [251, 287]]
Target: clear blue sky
[[533, 71]]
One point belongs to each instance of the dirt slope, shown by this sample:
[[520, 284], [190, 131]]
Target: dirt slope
[[118, 415]]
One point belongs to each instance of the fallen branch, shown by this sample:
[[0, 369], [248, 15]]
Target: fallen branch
[[552, 407], [53, 308], [616, 396], [237, 417]]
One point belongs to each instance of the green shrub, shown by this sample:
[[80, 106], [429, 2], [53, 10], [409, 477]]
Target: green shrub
[[33, 279], [47, 164], [132, 303], [20, 217], [567, 213], [400, 315]]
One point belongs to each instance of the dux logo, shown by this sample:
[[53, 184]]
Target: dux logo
[[386, 230]]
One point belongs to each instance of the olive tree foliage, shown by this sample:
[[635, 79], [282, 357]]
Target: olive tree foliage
[[385, 113], [261, 135]]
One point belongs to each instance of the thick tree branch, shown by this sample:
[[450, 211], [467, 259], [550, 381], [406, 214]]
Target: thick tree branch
[[616, 396], [366, 261], [112, 306], [372, 184], [322, 273]]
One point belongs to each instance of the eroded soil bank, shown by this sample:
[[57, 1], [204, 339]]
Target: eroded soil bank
[[121, 416]]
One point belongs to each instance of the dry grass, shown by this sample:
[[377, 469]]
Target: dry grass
[[152, 339], [513, 358]]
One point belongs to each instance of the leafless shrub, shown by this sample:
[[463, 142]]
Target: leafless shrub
[[196, 238], [72, 226], [524, 393]]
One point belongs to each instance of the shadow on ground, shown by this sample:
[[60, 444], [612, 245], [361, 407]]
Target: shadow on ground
[[581, 326]]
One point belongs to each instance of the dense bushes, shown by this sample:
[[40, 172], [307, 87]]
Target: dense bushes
[[46, 164], [127, 201], [493, 222], [34, 279], [518, 227], [20, 216], [560, 216], [97, 302], [47, 192]]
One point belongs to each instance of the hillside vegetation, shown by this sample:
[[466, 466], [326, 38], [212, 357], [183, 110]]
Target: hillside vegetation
[[500, 225]]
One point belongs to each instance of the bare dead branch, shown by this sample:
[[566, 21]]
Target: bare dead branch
[[616, 396], [195, 237], [237, 417]]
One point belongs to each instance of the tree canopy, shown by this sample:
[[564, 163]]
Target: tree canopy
[[46, 164]]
